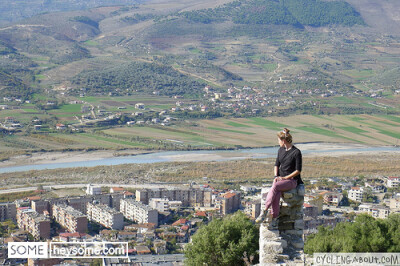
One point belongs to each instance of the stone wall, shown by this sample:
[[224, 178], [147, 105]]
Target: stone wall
[[285, 244]]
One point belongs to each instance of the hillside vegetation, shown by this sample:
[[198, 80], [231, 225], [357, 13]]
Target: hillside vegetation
[[139, 77], [289, 12], [365, 234]]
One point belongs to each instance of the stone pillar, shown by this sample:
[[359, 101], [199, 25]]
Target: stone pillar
[[285, 244]]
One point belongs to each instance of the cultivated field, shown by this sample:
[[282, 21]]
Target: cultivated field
[[257, 132], [217, 133]]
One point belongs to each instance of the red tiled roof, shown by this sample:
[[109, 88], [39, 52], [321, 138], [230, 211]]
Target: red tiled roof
[[306, 205], [355, 188], [128, 193], [393, 177], [203, 214], [34, 198], [117, 189], [142, 250], [228, 195], [185, 227], [179, 222]]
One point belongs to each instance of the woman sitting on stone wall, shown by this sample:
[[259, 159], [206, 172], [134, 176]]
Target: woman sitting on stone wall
[[287, 171]]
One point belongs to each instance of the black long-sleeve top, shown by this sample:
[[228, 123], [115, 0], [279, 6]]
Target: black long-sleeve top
[[289, 161]]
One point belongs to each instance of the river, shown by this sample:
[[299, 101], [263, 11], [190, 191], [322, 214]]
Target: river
[[308, 149]]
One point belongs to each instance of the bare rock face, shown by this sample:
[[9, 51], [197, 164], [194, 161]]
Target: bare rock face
[[284, 244]]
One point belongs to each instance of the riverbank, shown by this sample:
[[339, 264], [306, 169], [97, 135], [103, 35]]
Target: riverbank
[[67, 157], [78, 157], [230, 173]]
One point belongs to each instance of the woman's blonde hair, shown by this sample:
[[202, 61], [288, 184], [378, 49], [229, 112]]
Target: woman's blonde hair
[[285, 135]]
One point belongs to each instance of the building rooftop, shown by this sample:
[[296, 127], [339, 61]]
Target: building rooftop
[[229, 195], [138, 204]]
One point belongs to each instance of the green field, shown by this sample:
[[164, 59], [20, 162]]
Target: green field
[[230, 130], [359, 74], [91, 43], [235, 124], [355, 130], [267, 123]]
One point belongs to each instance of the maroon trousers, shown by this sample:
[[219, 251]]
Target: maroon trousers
[[274, 194]]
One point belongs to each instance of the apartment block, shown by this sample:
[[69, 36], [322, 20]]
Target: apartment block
[[106, 216], [229, 202], [93, 190], [333, 198], [394, 204], [70, 218], [79, 203], [36, 224], [356, 194], [393, 181], [115, 200], [40, 206], [164, 205], [375, 210], [8, 211], [189, 197], [253, 208], [139, 212]]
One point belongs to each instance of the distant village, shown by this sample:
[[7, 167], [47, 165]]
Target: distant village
[[158, 222], [245, 101]]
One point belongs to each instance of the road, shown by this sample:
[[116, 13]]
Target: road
[[24, 189]]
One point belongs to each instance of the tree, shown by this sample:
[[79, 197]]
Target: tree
[[365, 234], [224, 242]]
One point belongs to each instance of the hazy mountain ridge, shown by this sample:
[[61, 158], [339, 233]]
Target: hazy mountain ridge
[[12, 11]]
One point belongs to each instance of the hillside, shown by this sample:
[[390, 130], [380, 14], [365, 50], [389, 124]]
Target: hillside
[[11, 11], [381, 16], [139, 77], [298, 13], [290, 56]]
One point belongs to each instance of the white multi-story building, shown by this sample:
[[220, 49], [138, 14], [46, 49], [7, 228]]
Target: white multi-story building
[[356, 194], [93, 190], [164, 205], [394, 203], [139, 212], [393, 181], [188, 197], [375, 210], [105, 216], [161, 205]]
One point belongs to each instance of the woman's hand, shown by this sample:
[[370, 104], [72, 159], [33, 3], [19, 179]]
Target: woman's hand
[[280, 178]]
